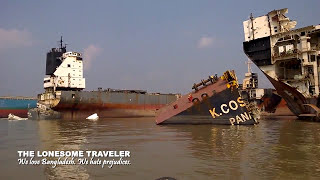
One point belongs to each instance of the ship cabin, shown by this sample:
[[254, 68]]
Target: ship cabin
[[68, 75]]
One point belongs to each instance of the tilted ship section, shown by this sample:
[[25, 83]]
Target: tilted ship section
[[213, 101], [64, 96], [290, 59]]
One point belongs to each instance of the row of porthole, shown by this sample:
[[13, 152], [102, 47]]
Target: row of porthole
[[194, 100], [203, 96]]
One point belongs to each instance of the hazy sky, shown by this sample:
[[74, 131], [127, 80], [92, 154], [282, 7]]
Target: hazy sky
[[159, 46]]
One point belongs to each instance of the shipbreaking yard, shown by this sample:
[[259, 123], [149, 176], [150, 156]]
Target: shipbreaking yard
[[224, 122], [288, 57]]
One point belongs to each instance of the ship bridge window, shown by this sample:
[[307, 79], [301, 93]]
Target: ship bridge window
[[313, 58], [79, 58]]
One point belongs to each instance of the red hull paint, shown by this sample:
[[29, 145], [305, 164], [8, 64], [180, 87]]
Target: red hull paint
[[18, 112]]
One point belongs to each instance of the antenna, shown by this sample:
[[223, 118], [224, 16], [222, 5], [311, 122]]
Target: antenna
[[251, 16], [61, 42]]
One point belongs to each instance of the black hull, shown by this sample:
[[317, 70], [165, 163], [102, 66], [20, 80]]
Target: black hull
[[258, 51], [200, 113], [221, 105], [197, 119]]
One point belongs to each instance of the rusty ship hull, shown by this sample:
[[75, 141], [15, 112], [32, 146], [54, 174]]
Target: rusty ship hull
[[274, 105], [111, 104], [296, 102], [218, 102], [81, 104]]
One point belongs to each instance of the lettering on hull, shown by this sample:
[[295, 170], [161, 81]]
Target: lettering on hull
[[241, 118], [227, 108]]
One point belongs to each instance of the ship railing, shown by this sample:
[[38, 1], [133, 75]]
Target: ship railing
[[288, 53], [57, 50], [203, 83], [18, 97], [124, 90]]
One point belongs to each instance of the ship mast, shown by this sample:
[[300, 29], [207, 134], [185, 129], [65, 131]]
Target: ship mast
[[249, 66], [251, 18], [61, 44]]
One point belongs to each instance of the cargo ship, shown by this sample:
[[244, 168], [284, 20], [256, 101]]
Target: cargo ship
[[267, 99], [215, 100], [290, 59], [16, 105], [64, 95]]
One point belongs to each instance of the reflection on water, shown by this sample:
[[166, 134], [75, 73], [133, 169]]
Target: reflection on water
[[56, 135], [274, 149]]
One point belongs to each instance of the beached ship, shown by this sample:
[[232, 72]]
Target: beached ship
[[64, 96], [17, 105], [290, 59], [215, 100]]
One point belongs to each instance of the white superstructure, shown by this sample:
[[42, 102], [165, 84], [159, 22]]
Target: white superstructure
[[250, 84], [285, 54], [69, 75], [274, 22]]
